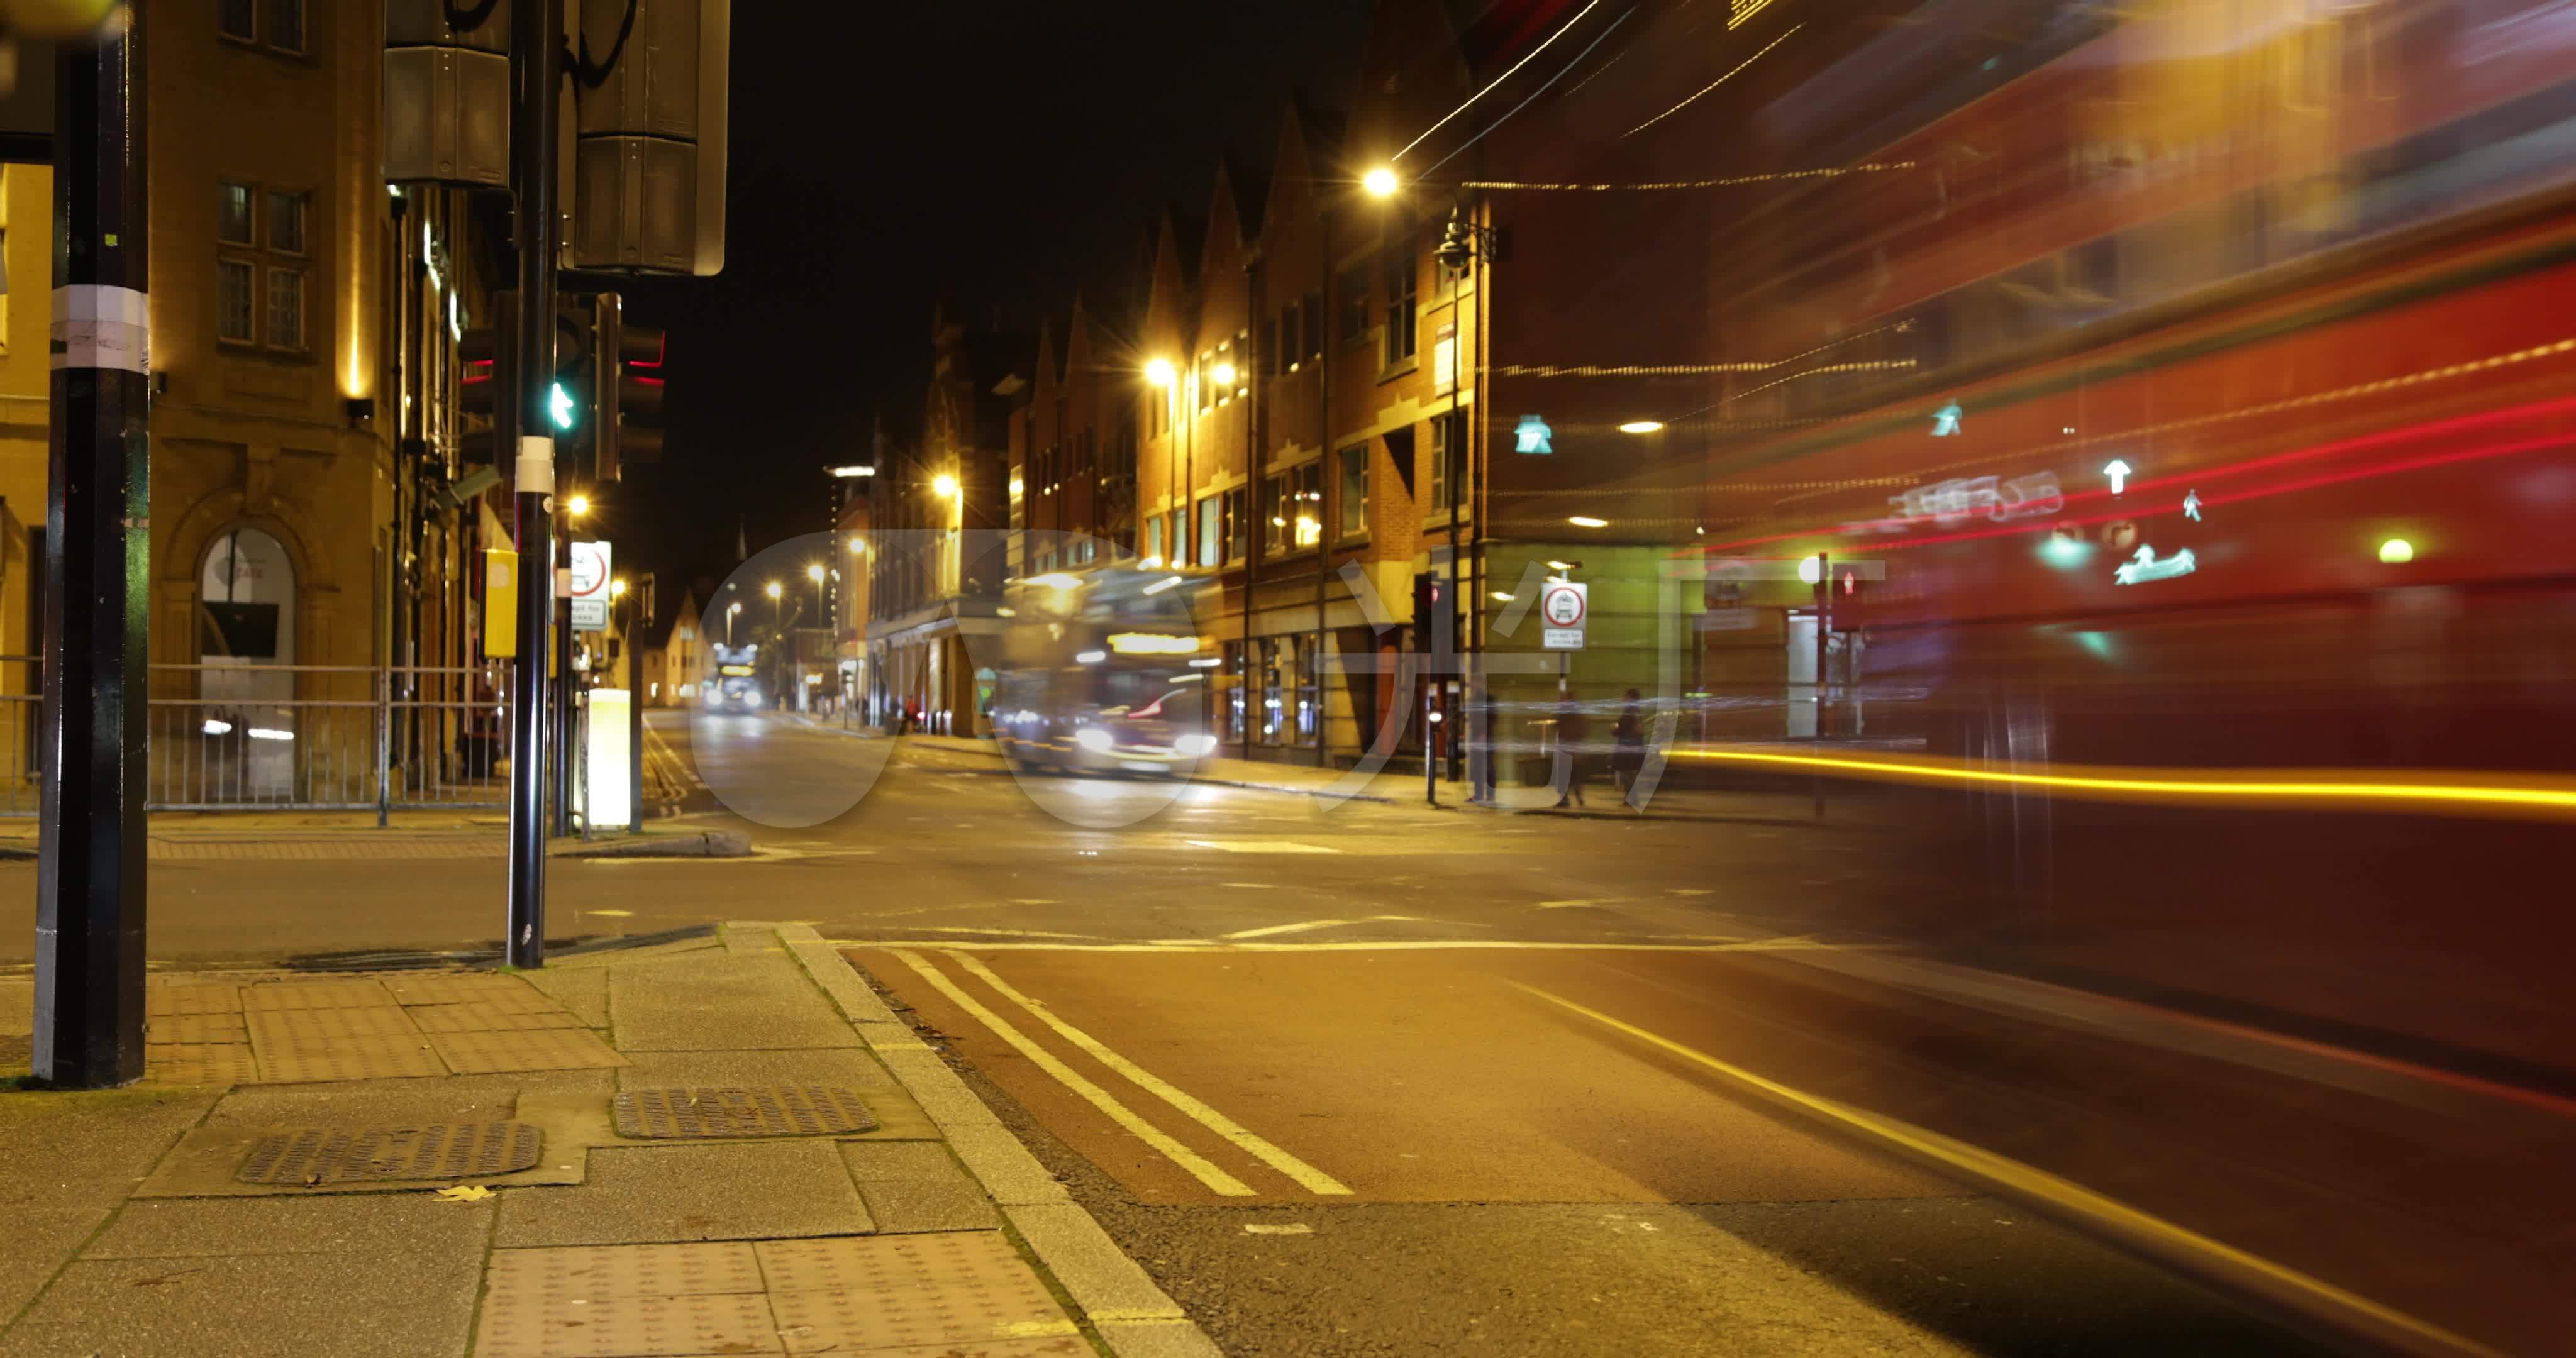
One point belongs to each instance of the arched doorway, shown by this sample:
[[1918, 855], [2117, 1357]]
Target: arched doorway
[[246, 592]]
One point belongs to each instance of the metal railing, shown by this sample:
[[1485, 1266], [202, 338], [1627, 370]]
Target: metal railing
[[21, 684], [227, 737]]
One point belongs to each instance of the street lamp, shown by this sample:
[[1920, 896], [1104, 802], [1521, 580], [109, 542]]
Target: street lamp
[[944, 486], [729, 612], [1380, 182], [577, 505], [1159, 372]]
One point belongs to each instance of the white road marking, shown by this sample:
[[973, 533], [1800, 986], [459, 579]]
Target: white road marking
[[1313, 924], [1265, 1228], [1217, 1180], [1257, 846], [1204, 945], [1692, 891], [613, 914], [1249, 886], [1010, 933], [1570, 905], [1308, 1177]]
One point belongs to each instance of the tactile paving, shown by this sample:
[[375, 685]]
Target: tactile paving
[[165, 1029], [349, 1058], [501, 990], [161, 1001], [315, 995], [765, 1110], [630, 1327], [608, 1272], [303, 1028], [474, 1016], [205, 1063], [549, 1049], [438, 1150], [926, 1308], [873, 1262]]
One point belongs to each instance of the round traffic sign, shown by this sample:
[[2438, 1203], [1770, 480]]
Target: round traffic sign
[[1562, 606]]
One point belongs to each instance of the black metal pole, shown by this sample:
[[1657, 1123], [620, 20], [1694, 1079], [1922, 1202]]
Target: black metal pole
[[636, 622], [90, 871], [536, 36]]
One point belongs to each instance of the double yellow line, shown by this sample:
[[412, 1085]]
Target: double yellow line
[[2548, 798], [1207, 1172]]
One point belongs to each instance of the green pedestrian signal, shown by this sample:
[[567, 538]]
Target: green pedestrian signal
[[561, 407]]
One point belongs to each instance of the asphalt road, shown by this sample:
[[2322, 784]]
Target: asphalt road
[[1373, 1079]]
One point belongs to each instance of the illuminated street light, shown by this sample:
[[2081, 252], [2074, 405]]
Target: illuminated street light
[[775, 590], [617, 588], [815, 571], [1501, 597], [1159, 372], [845, 473], [1563, 565], [1380, 182], [944, 486], [1641, 426], [2396, 552], [1223, 373], [858, 545], [577, 505], [1587, 521]]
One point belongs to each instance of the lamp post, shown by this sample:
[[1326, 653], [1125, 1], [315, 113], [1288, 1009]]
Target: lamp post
[[730, 610]]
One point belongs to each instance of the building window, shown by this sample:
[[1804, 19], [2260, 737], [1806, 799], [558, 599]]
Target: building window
[[1238, 525], [1211, 531], [1312, 331], [1448, 461], [232, 214], [1154, 538], [1310, 707], [1354, 284], [1401, 299], [286, 25], [1278, 659], [1296, 499], [1355, 487], [238, 19], [1231, 714], [1176, 532], [286, 222], [285, 308], [1207, 382], [1271, 366], [235, 315]]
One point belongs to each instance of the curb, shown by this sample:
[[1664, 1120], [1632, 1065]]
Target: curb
[[694, 844], [1132, 1315], [982, 749]]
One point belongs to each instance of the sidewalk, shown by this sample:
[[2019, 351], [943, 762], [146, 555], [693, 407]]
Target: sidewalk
[[726, 1145], [272, 836]]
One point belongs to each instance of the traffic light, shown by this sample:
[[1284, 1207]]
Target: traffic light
[[564, 406], [1434, 614], [488, 354], [630, 397]]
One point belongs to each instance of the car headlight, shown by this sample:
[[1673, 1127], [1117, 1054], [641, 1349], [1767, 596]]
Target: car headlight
[[1093, 738], [1195, 744]]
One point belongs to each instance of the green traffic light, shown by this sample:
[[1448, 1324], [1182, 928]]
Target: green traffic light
[[559, 404]]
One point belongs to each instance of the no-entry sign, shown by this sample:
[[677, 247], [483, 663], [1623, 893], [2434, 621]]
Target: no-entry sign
[[589, 590], [1562, 607]]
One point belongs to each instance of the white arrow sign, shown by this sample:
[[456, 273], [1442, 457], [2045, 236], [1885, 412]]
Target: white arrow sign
[[2118, 471]]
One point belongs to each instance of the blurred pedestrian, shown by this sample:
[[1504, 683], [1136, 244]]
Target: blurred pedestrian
[[1572, 730], [1628, 748]]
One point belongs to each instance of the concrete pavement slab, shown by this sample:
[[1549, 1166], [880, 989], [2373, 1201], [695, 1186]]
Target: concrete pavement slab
[[455, 1099], [17, 1006], [584, 991], [408, 1304], [374, 1223], [724, 1003], [806, 1066], [39, 1241], [744, 1190], [917, 1186]]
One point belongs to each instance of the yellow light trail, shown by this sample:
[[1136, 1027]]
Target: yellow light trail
[[2549, 798]]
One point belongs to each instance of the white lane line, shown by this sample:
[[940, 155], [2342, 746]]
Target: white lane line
[[1314, 924], [1264, 1228], [1217, 1180], [2149, 1235], [1249, 886], [1257, 846], [1007, 933], [1207, 945], [1573, 905], [1308, 1177]]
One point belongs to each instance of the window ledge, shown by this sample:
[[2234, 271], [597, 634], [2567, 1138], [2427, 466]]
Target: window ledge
[[1400, 368]]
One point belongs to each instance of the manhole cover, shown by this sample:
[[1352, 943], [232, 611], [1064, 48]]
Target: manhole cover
[[768, 1110], [438, 1150]]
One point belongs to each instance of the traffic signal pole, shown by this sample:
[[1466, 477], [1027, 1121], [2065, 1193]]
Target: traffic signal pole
[[536, 44], [90, 867]]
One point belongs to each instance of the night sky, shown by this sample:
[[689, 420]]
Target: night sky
[[882, 155]]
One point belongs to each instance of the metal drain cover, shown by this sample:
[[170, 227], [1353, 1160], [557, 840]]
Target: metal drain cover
[[438, 1150], [765, 1110]]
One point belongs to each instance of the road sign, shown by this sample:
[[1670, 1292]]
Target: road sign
[[590, 576], [1562, 607]]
